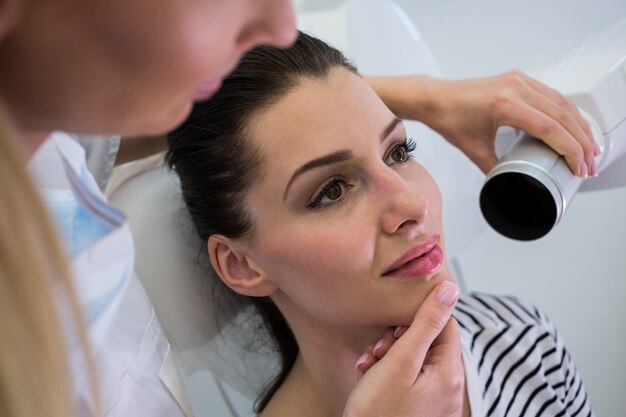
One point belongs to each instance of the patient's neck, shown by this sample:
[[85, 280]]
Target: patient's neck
[[324, 373]]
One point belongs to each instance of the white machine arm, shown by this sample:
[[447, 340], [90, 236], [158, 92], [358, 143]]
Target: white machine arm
[[526, 194]]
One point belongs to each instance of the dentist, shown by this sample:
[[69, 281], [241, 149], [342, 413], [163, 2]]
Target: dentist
[[135, 68]]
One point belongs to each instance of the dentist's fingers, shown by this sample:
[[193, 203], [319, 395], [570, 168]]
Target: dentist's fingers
[[565, 113], [575, 125], [544, 127], [405, 358], [546, 114], [560, 100]]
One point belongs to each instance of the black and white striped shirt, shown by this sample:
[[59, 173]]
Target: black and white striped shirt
[[515, 362]]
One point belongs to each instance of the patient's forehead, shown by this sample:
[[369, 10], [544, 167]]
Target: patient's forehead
[[318, 117]]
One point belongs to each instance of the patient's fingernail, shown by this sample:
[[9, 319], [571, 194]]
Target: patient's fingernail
[[400, 330], [447, 293], [582, 170], [377, 346], [362, 359]]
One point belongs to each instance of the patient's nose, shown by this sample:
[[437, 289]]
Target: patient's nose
[[403, 209]]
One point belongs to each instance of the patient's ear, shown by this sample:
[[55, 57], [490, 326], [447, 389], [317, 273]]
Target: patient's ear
[[237, 269], [10, 12]]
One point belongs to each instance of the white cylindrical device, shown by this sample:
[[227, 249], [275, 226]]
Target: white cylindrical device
[[525, 195], [531, 187]]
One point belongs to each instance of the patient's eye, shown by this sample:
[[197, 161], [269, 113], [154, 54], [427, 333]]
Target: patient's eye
[[400, 152], [331, 192], [334, 191]]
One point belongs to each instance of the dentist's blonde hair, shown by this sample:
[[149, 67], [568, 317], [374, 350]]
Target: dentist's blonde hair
[[34, 372]]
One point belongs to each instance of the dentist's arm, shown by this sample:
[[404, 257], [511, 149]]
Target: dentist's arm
[[468, 113], [422, 374]]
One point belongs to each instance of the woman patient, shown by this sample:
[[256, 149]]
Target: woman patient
[[302, 184]]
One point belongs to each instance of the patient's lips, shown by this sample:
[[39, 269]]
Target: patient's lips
[[420, 261]]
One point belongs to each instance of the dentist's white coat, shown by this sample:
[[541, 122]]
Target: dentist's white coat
[[136, 371]]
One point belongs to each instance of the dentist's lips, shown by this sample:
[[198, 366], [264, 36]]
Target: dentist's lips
[[207, 89], [420, 261]]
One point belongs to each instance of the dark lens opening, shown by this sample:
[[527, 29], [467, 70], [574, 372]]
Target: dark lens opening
[[518, 206]]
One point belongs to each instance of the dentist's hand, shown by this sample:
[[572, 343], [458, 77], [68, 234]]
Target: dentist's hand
[[469, 112], [421, 374]]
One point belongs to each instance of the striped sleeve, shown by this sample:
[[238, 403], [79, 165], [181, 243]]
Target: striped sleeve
[[522, 366]]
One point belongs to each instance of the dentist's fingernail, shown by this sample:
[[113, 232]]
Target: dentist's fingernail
[[582, 170], [596, 149], [362, 359], [400, 330], [594, 168], [447, 293]]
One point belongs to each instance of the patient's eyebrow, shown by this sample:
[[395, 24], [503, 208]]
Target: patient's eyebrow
[[336, 157], [390, 128], [330, 159]]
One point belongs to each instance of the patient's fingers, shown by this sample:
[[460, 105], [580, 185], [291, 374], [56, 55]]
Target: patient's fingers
[[443, 373], [384, 343], [446, 347], [405, 358], [400, 330], [366, 360], [378, 350], [392, 386]]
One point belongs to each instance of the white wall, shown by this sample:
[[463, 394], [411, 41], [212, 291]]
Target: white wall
[[479, 37], [577, 274]]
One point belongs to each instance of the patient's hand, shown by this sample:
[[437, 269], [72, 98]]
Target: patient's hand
[[421, 374], [376, 351], [468, 113]]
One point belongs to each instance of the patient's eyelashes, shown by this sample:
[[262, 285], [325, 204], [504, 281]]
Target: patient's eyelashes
[[400, 152], [331, 192]]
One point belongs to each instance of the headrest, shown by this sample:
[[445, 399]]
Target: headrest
[[176, 277]]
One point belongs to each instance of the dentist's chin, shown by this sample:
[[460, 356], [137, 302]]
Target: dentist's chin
[[206, 89]]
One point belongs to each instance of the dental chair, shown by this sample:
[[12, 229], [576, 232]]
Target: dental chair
[[381, 40]]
